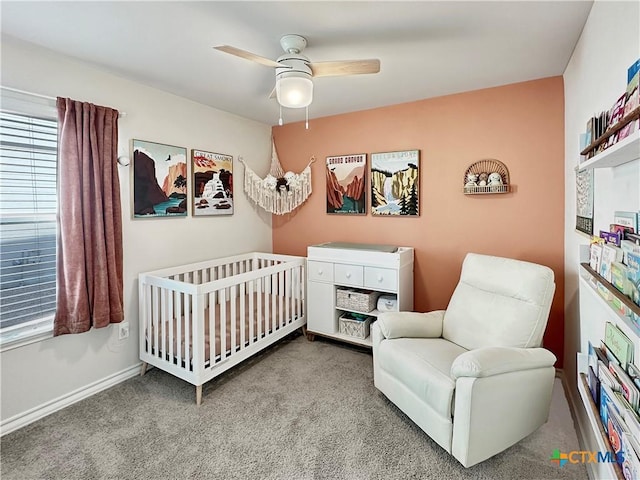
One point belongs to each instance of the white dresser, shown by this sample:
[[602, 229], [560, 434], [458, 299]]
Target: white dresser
[[381, 268]]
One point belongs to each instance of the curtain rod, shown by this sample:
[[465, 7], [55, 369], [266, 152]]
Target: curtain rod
[[46, 97]]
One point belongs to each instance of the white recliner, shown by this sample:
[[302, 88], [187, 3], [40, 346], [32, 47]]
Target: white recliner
[[473, 376]]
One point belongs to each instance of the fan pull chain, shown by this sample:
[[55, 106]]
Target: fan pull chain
[[307, 117], [280, 119]]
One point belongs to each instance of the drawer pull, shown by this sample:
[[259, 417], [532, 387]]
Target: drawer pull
[[348, 274], [319, 271], [380, 278]]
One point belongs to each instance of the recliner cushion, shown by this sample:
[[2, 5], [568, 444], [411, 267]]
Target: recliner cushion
[[499, 302], [423, 365]]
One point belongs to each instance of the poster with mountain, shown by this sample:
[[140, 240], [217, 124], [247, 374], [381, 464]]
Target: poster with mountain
[[395, 183], [346, 193], [212, 183], [159, 180]]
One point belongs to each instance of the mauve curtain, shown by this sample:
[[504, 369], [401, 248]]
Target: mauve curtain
[[89, 277]]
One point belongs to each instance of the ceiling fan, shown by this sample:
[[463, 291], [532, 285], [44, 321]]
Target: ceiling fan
[[294, 71]]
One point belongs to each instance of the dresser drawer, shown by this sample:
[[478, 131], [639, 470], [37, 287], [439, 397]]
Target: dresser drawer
[[348, 274], [320, 271], [381, 278]]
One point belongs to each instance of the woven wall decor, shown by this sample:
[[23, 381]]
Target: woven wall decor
[[486, 176], [279, 192]]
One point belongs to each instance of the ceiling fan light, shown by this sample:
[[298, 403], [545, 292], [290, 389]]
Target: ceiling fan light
[[294, 91]]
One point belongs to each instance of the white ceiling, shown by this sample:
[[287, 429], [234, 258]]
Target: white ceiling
[[426, 49]]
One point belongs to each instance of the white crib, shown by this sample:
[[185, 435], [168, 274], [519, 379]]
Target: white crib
[[199, 320]]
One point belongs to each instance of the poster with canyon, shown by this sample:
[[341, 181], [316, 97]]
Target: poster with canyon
[[159, 180], [212, 183], [346, 192], [395, 186]]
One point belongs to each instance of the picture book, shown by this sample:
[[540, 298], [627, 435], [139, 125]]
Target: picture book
[[626, 219], [610, 255], [607, 378], [628, 246], [607, 404], [615, 428], [594, 385], [618, 273], [634, 374], [595, 256], [629, 390], [613, 238], [617, 110], [633, 276], [630, 464], [619, 344]]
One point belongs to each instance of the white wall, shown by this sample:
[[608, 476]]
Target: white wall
[[42, 372], [594, 78]]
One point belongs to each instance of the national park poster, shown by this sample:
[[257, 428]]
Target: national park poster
[[212, 183], [346, 184], [395, 183], [160, 185]]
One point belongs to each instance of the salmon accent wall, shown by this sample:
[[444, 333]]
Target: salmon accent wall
[[520, 124]]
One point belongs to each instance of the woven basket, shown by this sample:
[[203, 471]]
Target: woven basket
[[354, 328], [358, 300]]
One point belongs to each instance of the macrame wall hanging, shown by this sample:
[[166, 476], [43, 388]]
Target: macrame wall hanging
[[278, 192]]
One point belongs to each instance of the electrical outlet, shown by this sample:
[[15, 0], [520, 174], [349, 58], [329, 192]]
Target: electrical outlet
[[123, 330]]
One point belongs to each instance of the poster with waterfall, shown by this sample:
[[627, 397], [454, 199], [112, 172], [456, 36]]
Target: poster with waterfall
[[159, 180], [346, 192], [212, 183], [395, 183]]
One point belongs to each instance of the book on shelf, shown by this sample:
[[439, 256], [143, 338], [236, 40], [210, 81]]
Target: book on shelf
[[630, 392], [626, 219], [628, 246], [617, 110], [595, 251], [633, 276], [631, 462], [618, 344], [613, 238], [610, 255]]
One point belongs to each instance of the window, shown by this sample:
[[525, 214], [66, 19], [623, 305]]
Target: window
[[28, 201]]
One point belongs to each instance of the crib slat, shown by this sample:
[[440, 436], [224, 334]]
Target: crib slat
[[281, 297], [222, 296], [260, 326], [274, 286], [154, 309], [287, 296], [148, 329], [188, 364], [267, 304], [234, 319], [163, 322], [177, 315], [212, 328], [170, 319], [243, 317], [251, 312]]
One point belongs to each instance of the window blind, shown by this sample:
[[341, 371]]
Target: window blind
[[28, 202]]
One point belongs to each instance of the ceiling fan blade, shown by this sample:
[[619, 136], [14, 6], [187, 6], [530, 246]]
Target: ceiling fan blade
[[247, 55], [347, 67]]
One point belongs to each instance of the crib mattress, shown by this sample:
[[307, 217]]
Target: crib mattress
[[261, 327]]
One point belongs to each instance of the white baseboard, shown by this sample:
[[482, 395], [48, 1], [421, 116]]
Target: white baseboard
[[577, 412], [25, 418]]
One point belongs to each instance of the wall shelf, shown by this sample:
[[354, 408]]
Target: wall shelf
[[611, 470], [626, 150]]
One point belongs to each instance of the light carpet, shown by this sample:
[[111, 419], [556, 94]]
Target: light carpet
[[300, 410]]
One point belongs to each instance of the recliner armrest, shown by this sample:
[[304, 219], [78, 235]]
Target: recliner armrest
[[411, 324], [489, 361]]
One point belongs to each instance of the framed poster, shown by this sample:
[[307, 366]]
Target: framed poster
[[346, 184], [584, 201], [395, 183], [212, 183], [159, 180]]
